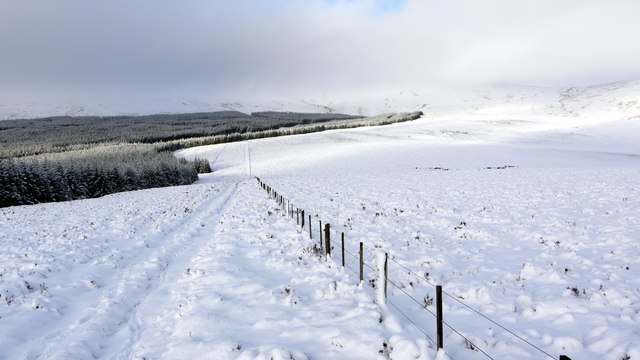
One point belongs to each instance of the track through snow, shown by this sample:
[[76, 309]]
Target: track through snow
[[212, 270], [255, 290], [118, 316]]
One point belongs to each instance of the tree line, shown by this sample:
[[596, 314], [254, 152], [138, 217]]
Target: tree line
[[68, 158]]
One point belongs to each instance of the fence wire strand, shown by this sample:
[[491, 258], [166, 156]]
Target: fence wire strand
[[350, 253], [423, 306], [474, 310], [412, 272], [412, 298], [414, 324], [495, 323], [467, 340]]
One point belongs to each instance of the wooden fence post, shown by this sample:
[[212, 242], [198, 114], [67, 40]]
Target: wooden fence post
[[302, 218], [361, 262], [439, 316], [297, 216], [386, 275], [310, 235], [327, 238], [342, 249], [320, 232]]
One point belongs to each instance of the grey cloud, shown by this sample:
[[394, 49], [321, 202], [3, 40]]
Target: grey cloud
[[287, 47]]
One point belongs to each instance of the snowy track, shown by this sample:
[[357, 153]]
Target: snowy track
[[95, 293], [254, 291], [212, 270], [232, 279], [118, 317]]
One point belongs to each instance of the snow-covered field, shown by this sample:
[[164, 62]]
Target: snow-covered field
[[526, 213]]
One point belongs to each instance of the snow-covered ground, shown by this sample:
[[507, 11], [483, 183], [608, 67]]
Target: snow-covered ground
[[526, 212]]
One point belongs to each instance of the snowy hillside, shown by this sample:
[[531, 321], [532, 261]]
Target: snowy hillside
[[524, 208], [617, 99]]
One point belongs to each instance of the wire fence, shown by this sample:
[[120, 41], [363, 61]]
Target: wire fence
[[375, 280]]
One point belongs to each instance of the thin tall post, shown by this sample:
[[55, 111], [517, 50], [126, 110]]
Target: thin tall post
[[361, 262], [327, 238], [439, 319], [310, 235], [386, 274], [320, 232], [342, 249], [302, 218]]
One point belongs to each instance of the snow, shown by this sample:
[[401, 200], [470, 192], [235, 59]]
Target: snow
[[527, 212], [608, 101]]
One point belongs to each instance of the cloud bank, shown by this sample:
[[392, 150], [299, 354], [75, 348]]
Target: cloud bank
[[88, 49]]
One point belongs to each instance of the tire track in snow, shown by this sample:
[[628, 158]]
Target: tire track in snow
[[258, 292], [215, 160], [247, 159], [116, 322]]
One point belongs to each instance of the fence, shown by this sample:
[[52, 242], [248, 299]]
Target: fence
[[382, 281]]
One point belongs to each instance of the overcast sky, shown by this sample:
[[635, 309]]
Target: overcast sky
[[248, 48]]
